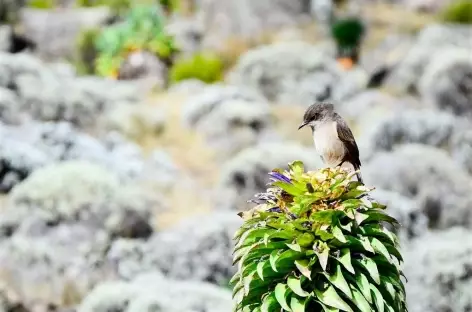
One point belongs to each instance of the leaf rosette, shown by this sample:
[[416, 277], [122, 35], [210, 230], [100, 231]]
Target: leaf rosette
[[316, 241]]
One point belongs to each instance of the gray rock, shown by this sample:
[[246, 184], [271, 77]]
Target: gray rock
[[58, 225], [424, 126], [247, 173], [442, 189], [144, 67], [55, 31], [44, 93], [187, 33], [9, 106], [78, 191], [447, 81], [27, 147], [151, 292], [412, 220], [438, 267], [461, 148], [404, 125], [296, 72], [380, 61], [5, 37], [9, 10], [230, 118], [199, 248], [222, 19], [135, 121], [431, 39]]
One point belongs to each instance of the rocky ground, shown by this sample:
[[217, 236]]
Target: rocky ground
[[118, 199]]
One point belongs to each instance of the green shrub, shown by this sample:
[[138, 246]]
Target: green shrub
[[118, 6], [458, 12], [86, 52], [205, 67], [42, 4], [142, 29], [316, 242]]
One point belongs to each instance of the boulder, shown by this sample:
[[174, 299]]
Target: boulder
[[429, 176], [152, 292], [55, 31], [438, 268], [229, 117], [296, 73], [198, 248]]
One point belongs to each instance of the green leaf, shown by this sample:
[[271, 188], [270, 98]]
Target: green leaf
[[379, 247], [297, 305], [338, 234], [345, 260], [331, 298], [377, 215], [281, 293], [364, 286], [360, 217], [352, 203], [338, 280], [295, 285], [305, 240], [273, 259], [270, 304], [360, 301], [247, 282], [289, 188], [260, 269], [366, 244], [371, 267], [294, 247], [323, 257], [304, 267], [328, 308], [378, 299]]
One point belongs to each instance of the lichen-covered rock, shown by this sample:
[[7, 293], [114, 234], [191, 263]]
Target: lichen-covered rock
[[55, 31], [223, 19], [44, 93], [78, 191], [431, 40], [135, 121], [296, 72], [58, 225], [461, 148], [427, 174], [447, 81], [246, 173], [144, 67], [438, 267], [229, 117], [414, 126], [152, 292], [423, 126], [412, 220], [198, 248], [29, 146]]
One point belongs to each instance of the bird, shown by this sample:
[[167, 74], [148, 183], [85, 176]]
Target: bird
[[333, 138]]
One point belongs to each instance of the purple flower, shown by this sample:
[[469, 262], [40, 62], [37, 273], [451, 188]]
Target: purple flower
[[276, 176], [261, 198]]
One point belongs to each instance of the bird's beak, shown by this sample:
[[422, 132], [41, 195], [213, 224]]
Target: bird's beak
[[303, 125]]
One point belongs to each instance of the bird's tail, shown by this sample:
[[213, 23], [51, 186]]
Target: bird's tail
[[359, 175]]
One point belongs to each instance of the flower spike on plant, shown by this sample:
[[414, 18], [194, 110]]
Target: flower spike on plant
[[316, 242]]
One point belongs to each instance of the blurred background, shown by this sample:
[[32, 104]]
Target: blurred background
[[132, 132]]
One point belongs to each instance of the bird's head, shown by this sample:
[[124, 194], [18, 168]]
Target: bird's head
[[317, 113]]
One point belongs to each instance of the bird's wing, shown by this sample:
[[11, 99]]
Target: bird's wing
[[346, 136]]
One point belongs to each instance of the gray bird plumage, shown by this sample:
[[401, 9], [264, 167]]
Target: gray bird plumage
[[332, 136]]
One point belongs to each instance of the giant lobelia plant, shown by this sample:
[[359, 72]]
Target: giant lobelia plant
[[317, 242]]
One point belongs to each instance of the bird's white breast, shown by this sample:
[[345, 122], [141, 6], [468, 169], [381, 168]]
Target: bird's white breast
[[328, 144]]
